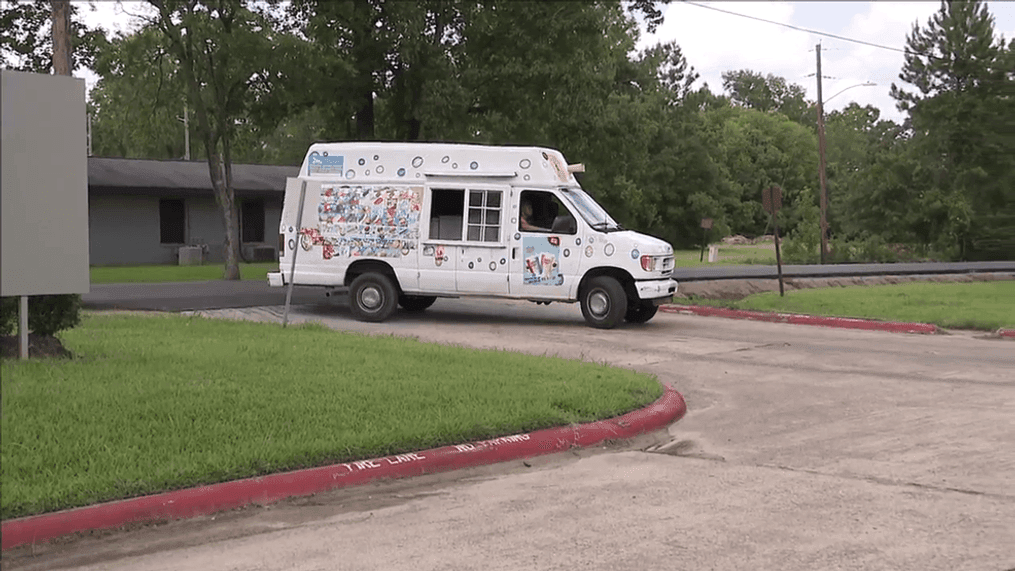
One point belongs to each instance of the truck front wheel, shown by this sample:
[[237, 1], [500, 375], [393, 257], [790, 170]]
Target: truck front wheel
[[603, 302], [641, 311], [372, 297]]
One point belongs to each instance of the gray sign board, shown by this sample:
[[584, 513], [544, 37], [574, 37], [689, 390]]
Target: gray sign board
[[44, 164]]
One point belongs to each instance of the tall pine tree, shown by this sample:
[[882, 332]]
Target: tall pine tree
[[961, 115]]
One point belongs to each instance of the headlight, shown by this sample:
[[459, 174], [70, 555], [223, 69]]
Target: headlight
[[648, 263]]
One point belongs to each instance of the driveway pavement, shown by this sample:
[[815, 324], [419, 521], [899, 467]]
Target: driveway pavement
[[803, 448]]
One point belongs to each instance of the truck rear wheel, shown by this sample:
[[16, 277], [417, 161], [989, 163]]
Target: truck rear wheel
[[641, 312], [416, 302], [372, 297], [603, 302]]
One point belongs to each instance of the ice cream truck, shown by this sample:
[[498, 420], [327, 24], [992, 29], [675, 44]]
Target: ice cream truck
[[403, 224]]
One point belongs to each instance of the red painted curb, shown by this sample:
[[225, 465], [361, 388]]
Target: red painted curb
[[228, 495], [845, 322]]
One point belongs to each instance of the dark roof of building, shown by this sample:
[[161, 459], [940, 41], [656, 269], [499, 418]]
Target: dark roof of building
[[141, 174]]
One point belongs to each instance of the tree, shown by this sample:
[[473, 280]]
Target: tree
[[673, 73], [857, 139], [770, 94], [139, 99], [754, 150], [27, 45], [221, 48], [374, 57], [960, 112]]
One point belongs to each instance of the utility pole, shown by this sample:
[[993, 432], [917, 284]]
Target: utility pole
[[186, 133], [821, 165], [61, 37]]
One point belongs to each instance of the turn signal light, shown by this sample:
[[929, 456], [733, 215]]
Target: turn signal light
[[648, 263]]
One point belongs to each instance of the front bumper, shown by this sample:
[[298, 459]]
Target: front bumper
[[275, 279], [656, 289]]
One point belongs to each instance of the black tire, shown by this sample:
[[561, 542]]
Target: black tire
[[372, 297], [641, 312], [603, 302], [416, 303]]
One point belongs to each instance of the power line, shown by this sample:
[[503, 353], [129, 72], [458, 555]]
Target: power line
[[798, 28]]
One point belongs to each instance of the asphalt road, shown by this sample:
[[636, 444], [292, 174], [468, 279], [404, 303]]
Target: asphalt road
[[222, 294], [803, 448]]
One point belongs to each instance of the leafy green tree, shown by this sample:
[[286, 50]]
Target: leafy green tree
[[139, 100], [221, 48], [768, 93], [754, 150], [372, 57], [26, 43], [961, 112], [856, 139]]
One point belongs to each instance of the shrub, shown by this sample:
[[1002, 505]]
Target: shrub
[[47, 314]]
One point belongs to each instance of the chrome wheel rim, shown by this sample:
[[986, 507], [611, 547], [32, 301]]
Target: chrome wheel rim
[[599, 303], [370, 298]]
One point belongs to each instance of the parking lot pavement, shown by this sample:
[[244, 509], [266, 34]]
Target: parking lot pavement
[[803, 448]]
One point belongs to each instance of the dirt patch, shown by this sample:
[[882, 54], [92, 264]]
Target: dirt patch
[[741, 288], [38, 346]]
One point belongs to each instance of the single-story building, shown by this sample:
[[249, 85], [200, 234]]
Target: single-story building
[[145, 211]]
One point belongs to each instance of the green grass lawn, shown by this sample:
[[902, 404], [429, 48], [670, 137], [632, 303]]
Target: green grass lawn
[[152, 404], [976, 305], [728, 256], [169, 273]]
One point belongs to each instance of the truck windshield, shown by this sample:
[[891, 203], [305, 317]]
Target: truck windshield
[[590, 210]]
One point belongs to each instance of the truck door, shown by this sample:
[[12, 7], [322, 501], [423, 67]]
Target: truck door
[[466, 247], [545, 248]]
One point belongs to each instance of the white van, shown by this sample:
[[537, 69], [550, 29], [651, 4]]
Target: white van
[[406, 223]]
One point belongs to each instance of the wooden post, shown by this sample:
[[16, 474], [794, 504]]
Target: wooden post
[[61, 37], [23, 326], [706, 225], [771, 201], [821, 166]]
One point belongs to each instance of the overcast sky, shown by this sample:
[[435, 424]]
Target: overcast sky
[[714, 42]]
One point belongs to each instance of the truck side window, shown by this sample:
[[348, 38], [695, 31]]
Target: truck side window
[[484, 215], [543, 212], [446, 210]]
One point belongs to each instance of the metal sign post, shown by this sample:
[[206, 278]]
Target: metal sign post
[[706, 225], [771, 201], [296, 249]]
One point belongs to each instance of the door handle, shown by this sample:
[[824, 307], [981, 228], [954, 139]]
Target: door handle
[[514, 253]]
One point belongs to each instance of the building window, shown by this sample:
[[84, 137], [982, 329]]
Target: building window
[[172, 221], [252, 221], [484, 216]]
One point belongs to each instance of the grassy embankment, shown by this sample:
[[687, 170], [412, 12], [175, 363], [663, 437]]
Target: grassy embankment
[[170, 273], [151, 404], [975, 305], [729, 255]]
